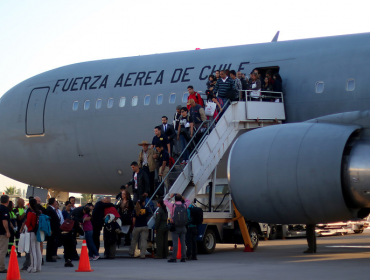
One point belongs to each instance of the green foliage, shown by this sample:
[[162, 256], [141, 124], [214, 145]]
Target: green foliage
[[86, 198], [11, 190]]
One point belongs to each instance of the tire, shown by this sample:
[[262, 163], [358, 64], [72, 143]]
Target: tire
[[208, 244], [273, 232], [359, 231], [253, 233]]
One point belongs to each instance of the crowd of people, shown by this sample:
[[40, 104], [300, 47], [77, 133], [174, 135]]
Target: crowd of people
[[127, 220]]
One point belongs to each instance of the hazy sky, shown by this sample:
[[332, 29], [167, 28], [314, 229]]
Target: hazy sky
[[37, 35]]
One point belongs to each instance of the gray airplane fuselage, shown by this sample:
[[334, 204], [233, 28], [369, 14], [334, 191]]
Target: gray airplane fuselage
[[90, 151]]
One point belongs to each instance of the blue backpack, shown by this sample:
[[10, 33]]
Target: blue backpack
[[43, 227]]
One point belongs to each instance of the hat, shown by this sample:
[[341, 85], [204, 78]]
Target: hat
[[178, 107], [144, 143]]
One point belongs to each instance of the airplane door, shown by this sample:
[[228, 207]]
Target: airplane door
[[36, 110]]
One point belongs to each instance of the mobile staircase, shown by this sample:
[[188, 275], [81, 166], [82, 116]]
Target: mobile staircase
[[203, 160]]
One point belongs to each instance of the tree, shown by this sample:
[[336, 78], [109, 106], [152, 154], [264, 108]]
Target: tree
[[10, 190], [86, 197]]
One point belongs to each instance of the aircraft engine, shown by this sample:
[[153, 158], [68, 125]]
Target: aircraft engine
[[303, 173]]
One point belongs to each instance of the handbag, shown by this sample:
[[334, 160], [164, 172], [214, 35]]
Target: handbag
[[210, 108], [24, 241], [67, 225]]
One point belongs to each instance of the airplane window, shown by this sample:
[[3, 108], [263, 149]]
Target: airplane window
[[147, 100], [319, 87], [350, 85], [110, 103], [98, 104], [172, 98], [185, 97], [87, 105], [75, 106], [134, 101], [159, 99], [122, 102]]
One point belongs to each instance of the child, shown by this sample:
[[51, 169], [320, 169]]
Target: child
[[87, 227]]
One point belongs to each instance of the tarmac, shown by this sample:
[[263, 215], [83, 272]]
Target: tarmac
[[338, 257]]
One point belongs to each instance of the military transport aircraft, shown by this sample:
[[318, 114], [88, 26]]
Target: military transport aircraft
[[76, 128]]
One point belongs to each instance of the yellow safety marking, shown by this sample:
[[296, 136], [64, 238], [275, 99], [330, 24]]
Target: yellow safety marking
[[243, 227]]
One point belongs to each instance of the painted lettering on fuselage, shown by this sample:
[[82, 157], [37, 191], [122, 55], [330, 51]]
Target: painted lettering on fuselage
[[141, 78]]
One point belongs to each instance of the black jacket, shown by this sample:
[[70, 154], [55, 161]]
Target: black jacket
[[170, 132], [78, 213], [97, 216], [54, 220], [142, 183]]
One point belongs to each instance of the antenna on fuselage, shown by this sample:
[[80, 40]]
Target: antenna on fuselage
[[276, 37]]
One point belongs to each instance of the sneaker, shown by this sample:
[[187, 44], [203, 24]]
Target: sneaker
[[91, 258], [96, 258], [187, 162], [183, 162], [68, 263]]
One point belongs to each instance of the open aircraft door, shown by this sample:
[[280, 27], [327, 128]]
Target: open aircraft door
[[36, 111]]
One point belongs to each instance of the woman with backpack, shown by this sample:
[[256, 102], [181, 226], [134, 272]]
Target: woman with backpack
[[178, 223], [32, 222], [161, 230]]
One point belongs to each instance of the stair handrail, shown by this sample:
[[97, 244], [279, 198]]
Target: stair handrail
[[178, 159], [207, 132]]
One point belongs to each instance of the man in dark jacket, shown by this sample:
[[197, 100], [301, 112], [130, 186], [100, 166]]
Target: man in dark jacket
[[169, 131], [139, 182], [54, 227], [97, 219]]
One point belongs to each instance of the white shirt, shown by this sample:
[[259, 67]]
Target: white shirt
[[60, 215], [225, 79], [145, 157], [135, 178]]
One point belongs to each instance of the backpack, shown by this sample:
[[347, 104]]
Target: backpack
[[180, 215], [43, 228], [171, 162], [196, 215]]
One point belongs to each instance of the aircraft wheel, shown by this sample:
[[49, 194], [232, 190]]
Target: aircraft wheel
[[253, 233]]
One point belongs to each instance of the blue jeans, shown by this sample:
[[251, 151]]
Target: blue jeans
[[183, 142], [90, 243], [224, 100]]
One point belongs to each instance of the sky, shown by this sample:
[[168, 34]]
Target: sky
[[39, 35]]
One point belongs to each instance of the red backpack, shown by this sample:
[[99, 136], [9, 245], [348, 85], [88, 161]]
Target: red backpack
[[171, 162]]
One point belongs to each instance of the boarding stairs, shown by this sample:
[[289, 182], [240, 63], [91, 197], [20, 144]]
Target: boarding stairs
[[240, 115]]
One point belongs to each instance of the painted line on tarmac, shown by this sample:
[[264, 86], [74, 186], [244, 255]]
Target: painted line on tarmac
[[345, 246]]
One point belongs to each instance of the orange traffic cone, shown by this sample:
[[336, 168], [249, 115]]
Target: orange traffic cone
[[84, 264], [13, 268], [178, 256]]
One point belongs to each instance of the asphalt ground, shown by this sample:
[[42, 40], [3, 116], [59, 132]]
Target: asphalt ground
[[338, 257]]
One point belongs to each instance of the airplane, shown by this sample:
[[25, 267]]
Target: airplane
[[76, 128]]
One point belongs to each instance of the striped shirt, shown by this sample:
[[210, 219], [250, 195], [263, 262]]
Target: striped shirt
[[223, 87]]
